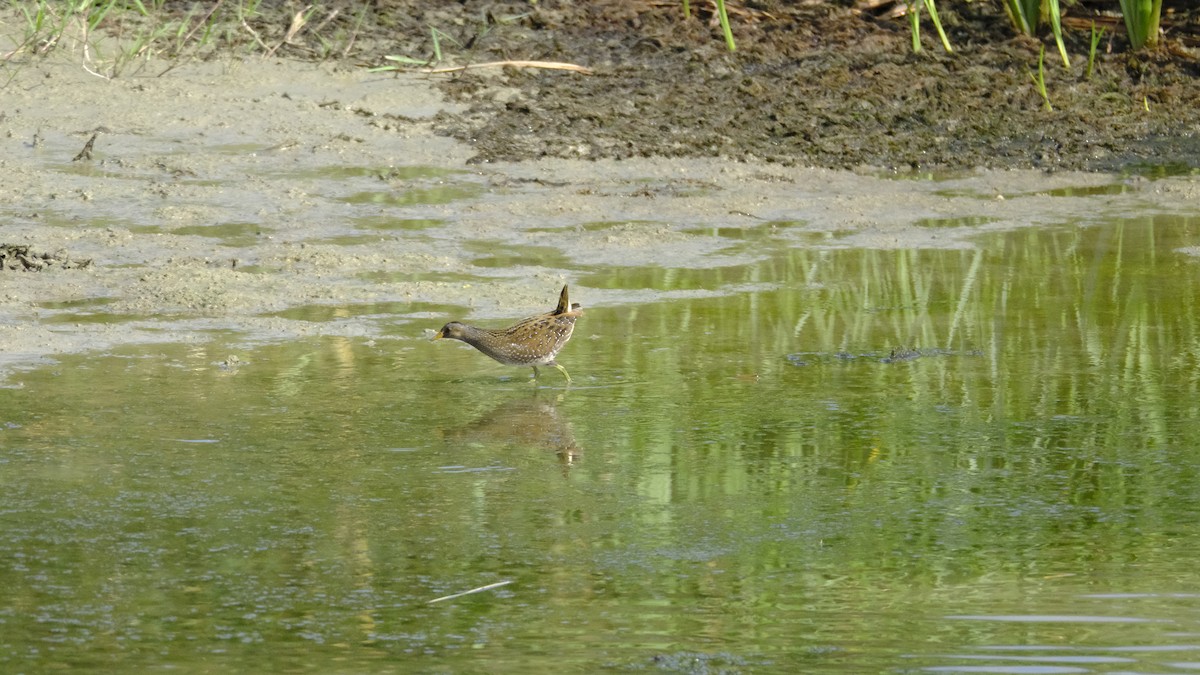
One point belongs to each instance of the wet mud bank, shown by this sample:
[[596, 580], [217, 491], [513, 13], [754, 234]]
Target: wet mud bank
[[249, 196], [827, 86]]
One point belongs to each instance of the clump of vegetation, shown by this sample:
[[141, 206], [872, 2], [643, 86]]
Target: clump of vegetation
[[1141, 21], [116, 37], [914, 18]]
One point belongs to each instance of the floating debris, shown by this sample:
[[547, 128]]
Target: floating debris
[[898, 355], [488, 587]]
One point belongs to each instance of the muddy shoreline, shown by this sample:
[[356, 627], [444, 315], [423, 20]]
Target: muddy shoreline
[[824, 85], [223, 196]]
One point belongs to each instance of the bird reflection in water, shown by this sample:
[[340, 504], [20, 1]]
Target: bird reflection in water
[[525, 422]]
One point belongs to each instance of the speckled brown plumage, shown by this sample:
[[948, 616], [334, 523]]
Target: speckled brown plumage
[[532, 342]]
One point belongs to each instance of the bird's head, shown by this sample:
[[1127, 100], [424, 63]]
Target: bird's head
[[453, 330]]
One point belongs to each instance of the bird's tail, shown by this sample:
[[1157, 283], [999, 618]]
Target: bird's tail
[[564, 304]]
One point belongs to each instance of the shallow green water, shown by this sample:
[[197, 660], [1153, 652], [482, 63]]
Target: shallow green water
[[858, 461]]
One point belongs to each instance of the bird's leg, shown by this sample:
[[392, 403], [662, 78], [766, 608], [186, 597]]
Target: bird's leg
[[535, 376], [563, 371]]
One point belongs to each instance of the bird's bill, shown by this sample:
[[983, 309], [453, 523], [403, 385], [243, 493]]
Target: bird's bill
[[438, 335]]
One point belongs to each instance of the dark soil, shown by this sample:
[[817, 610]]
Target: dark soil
[[813, 82], [822, 85]]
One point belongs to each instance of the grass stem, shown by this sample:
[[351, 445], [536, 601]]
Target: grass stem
[[931, 5], [725, 28], [1039, 80], [914, 23], [1096, 35], [1056, 27]]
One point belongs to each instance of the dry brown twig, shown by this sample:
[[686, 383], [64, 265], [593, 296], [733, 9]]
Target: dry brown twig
[[297, 25]]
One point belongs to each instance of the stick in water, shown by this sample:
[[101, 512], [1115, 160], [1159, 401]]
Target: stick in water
[[489, 587]]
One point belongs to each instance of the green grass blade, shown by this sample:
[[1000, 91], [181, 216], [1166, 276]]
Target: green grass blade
[[914, 23], [1096, 35], [1056, 26], [1022, 19], [1039, 80], [408, 60], [931, 5], [1032, 9], [725, 28]]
